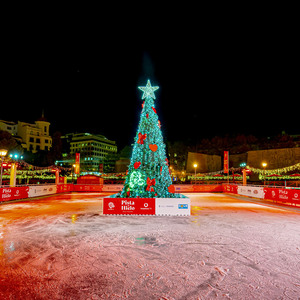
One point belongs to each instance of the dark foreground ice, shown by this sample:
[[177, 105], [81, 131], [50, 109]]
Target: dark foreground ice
[[62, 247]]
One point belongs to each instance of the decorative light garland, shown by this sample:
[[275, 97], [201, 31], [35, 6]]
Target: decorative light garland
[[275, 171], [278, 177], [221, 177]]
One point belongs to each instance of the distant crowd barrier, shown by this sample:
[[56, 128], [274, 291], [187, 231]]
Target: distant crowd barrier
[[22, 192], [289, 196]]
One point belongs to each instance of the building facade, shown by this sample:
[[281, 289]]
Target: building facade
[[205, 163], [35, 136], [8, 126], [93, 149]]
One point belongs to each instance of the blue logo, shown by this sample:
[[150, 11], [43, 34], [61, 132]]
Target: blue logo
[[183, 206]]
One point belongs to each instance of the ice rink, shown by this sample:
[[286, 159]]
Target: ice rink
[[62, 247]]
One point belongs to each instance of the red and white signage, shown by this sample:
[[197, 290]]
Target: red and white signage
[[41, 190], [147, 206], [129, 206], [63, 188], [77, 163], [173, 206], [226, 162], [13, 193], [283, 195], [251, 191], [230, 188]]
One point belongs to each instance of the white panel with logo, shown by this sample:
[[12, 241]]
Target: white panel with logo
[[173, 206], [251, 191]]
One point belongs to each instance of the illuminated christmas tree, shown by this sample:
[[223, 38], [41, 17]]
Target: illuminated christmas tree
[[148, 173]]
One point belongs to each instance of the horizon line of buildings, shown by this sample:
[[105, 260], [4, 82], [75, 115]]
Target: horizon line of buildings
[[33, 137], [94, 148]]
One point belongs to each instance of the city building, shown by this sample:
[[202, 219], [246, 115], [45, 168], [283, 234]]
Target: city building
[[93, 149], [8, 126], [32, 137], [205, 163], [35, 136]]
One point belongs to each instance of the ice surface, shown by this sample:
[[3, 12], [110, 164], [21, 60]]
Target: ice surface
[[62, 247]]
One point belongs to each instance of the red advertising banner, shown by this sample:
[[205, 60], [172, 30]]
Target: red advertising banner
[[63, 188], [226, 161], [230, 188], [77, 163], [294, 196], [88, 188], [129, 206], [207, 188], [13, 193], [283, 195]]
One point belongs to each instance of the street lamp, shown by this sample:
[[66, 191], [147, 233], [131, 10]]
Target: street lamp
[[3, 153], [243, 166], [195, 166], [72, 170], [264, 166]]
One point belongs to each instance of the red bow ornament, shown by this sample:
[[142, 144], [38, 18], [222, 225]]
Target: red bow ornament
[[142, 138], [150, 183]]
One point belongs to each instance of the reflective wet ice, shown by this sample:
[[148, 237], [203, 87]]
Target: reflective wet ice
[[62, 247]]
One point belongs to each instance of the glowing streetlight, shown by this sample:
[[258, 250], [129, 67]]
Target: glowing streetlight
[[3, 153], [195, 166], [264, 164]]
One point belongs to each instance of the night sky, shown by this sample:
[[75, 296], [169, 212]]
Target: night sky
[[213, 79]]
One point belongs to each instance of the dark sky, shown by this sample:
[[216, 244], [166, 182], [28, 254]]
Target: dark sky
[[214, 79]]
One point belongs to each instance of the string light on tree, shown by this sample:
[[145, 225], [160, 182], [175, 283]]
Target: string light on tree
[[148, 173]]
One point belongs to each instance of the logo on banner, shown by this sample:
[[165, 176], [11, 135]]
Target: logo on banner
[[296, 196], [183, 206], [111, 205]]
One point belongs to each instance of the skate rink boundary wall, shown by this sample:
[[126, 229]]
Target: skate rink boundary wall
[[288, 196], [21, 192]]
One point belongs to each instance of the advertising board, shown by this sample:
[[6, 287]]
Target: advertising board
[[63, 188], [283, 195], [230, 188], [41, 190], [173, 206], [251, 191], [13, 193], [129, 206]]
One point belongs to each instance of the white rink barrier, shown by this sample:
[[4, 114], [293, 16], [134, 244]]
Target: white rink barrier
[[251, 191], [41, 190], [173, 206]]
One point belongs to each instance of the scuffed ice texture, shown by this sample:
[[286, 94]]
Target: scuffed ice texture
[[63, 248]]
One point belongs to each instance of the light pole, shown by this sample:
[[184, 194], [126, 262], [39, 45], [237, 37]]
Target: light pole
[[3, 153], [195, 166], [243, 166], [72, 170], [264, 166]]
